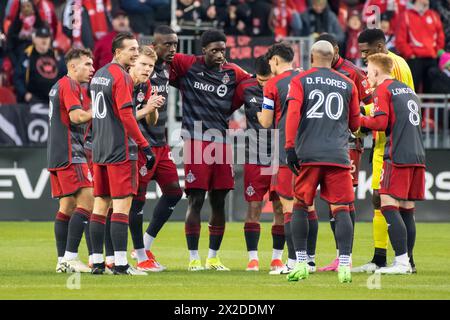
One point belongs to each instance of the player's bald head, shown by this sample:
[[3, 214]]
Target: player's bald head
[[322, 53]]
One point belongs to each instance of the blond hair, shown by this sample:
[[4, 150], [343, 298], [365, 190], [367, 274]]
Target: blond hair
[[382, 61], [148, 51]]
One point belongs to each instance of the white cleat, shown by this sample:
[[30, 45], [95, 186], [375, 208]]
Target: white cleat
[[395, 268], [73, 266], [311, 267], [60, 268], [368, 267], [283, 270], [129, 271]]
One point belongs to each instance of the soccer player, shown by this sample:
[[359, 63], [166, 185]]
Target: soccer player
[[373, 41], [207, 84], [70, 178], [397, 112], [323, 105], [258, 159], [116, 139], [274, 109], [164, 170], [359, 77]]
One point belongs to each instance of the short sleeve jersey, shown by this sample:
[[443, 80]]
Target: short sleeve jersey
[[404, 143], [111, 90], [325, 97], [275, 96], [207, 96], [65, 141], [258, 139]]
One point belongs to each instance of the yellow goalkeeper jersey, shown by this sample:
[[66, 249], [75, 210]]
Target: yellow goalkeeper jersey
[[401, 72]]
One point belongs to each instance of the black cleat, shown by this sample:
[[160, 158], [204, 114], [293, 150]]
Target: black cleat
[[98, 268]]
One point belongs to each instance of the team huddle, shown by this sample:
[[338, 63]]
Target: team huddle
[[108, 140]]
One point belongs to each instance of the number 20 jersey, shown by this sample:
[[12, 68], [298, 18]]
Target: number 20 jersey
[[328, 99]]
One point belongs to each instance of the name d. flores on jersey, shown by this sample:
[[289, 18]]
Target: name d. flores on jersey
[[326, 81], [221, 90]]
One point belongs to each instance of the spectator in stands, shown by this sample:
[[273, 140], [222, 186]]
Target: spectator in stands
[[345, 8], [92, 18], [354, 28], [443, 7], [258, 14], [385, 26], [232, 16], [21, 29], [45, 8], [285, 19], [38, 69], [319, 19], [102, 52], [419, 37], [441, 75], [145, 14], [192, 13], [393, 8]]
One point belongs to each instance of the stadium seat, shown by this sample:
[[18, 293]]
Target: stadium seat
[[7, 96]]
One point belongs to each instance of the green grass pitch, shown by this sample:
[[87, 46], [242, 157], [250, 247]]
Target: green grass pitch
[[27, 255]]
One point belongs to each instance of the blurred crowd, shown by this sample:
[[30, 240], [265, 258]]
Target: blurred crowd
[[35, 34]]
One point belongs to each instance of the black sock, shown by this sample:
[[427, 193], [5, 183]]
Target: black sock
[[410, 223], [300, 227], [109, 249], [396, 229], [278, 237], [119, 231], [333, 226], [252, 231], [192, 235], [380, 257], [97, 233], [61, 230], [313, 226], [215, 236], [136, 222], [79, 218], [162, 213], [344, 230], [288, 235], [88, 238], [353, 218]]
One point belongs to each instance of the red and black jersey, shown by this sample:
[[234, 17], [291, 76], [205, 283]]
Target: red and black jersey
[[86, 106], [258, 139], [160, 83], [323, 106], [115, 132], [65, 140], [275, 96], [397, 112], [207, 95], [141, 94], [359, 77]]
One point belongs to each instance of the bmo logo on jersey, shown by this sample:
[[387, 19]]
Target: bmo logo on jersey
[[221, 90]]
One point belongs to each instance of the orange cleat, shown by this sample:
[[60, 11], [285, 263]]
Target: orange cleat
[[253, 265], [276, 264], [149, 265]]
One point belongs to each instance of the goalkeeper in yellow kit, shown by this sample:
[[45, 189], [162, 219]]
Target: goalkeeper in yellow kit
[[373, 41]]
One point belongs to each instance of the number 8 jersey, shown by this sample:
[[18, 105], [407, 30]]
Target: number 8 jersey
[[323, 105], [404, 143]]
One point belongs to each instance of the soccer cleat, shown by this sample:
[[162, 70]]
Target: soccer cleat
[[299, 272], [368, 267], [413, 269], [98, 268], [150, 256], [311, 267], [128, 270], [395, 268], [276, 264], [195, 265], [149, 265], [76, 265], [215, 264], [333, 266], [253, 265], [109, 268], [344, 274], [284, 269], [60, 268]]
